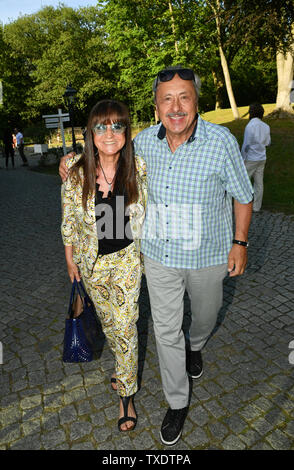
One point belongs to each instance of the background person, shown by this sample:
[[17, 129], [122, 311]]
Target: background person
[[20, 146], [256, 138], [107, 184], [8, 146]]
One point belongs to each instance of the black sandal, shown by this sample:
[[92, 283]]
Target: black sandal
[[125, 418], [113, 381]]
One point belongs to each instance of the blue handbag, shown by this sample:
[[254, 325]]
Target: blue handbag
[[81, 336]]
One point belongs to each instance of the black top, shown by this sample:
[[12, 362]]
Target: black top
[[113, 228]]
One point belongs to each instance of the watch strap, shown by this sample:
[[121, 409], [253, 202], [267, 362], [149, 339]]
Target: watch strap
[[242, 243]]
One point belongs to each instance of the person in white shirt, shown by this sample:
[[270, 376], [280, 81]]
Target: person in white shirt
[[20, 146], [256, 138]]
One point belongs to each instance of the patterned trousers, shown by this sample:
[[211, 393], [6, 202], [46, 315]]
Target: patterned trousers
[[114, 288]]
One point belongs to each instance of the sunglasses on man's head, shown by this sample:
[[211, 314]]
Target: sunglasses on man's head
[[116, 128], [167, 75]]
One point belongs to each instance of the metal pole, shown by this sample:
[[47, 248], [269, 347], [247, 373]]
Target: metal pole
[[62, 132], [71, 115]]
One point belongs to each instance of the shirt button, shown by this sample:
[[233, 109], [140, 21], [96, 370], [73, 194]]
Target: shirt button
[[167, 187], [170, 168], [166, 205], [167, 240], [166, 256]]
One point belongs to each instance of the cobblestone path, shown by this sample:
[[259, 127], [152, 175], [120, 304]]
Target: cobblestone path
[[244, 400]]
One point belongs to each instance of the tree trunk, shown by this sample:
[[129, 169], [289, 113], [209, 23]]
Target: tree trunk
[[185, 35], [285, 76], [173, 26], [224, 63], [218, 83], [228, 84]]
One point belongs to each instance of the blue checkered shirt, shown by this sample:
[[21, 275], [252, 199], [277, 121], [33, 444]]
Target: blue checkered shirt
[[189, 211]]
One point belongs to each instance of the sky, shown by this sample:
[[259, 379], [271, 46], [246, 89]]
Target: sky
[[10, 10]]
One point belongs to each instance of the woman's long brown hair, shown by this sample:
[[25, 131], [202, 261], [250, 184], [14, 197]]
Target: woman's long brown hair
[[105, 112]]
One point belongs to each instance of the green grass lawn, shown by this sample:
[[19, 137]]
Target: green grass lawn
[[279, 170]]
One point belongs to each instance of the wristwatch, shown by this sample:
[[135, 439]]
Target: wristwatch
[[239, 242]]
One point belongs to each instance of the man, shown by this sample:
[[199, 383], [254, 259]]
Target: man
[[8, 146], [193, 168], [256, 138], [20, 146]]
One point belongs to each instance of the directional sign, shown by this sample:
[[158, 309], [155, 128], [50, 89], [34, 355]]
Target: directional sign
[[53, 121], [53, 125], [47, 120], [55, 115]]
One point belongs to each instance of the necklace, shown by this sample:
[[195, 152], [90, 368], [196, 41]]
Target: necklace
[[108, 182]]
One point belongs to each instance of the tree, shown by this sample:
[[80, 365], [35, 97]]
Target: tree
[[16, 80], [285, 69], [54, 47], [117, 48], [144, 37], [268, 25], [254, 77], [216, 8], [155, 34]]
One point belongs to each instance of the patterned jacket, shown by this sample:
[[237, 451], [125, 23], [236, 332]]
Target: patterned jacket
[[78, 227]]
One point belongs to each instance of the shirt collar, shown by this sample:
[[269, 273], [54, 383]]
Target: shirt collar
[[162, 131]]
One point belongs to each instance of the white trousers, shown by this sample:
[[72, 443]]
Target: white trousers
[[255, 170], [166, 288]]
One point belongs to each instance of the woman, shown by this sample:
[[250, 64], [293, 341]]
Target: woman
[[103, 203]]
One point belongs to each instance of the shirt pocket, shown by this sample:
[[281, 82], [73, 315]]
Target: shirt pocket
[[208, 189]]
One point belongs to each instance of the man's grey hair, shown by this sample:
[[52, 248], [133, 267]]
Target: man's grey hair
[[196, 83]]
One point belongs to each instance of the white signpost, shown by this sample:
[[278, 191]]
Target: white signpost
[[56, 120]]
